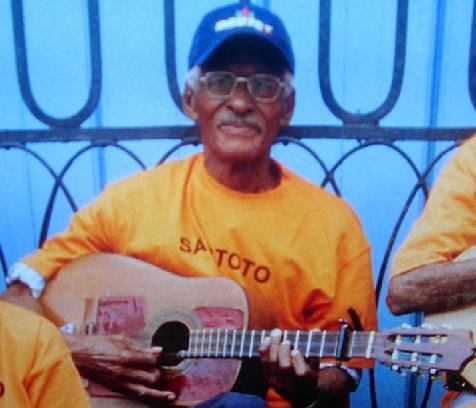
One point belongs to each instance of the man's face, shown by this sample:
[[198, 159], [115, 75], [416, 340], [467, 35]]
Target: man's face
[[239, 128]]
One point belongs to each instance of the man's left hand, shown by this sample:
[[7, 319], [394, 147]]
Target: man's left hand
[[287, 371]]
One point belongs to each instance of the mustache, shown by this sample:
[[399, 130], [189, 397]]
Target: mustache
[[233, 119]]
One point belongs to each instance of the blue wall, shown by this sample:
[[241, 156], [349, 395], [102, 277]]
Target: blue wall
[[376, 181]]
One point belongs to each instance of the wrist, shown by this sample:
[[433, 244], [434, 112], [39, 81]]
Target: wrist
[[20, 272], [338, 379], [20, 295]]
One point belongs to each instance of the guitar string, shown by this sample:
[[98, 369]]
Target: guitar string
[[359, 338], [360, 346]]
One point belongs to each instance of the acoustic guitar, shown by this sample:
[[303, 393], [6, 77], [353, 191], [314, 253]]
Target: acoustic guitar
[[202, 325], [463, 317]]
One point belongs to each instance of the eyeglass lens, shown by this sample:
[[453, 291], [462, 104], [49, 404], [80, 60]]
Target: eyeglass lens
[[260, 86]]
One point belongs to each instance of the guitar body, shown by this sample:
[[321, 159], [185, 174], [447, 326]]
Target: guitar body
[[205, 321], [459, 318], [117, 294]]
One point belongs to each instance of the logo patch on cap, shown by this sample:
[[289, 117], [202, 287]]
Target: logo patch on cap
[[243, 18]]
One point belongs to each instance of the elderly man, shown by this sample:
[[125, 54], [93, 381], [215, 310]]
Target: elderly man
[[231, 212]]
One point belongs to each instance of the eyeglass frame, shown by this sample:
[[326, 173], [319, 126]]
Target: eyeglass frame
[[285, 86]]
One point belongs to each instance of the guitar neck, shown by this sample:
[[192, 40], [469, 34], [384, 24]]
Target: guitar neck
[[232, 343]]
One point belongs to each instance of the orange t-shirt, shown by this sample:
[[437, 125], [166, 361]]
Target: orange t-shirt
[[447, 226], [297, 248], [36, 369]]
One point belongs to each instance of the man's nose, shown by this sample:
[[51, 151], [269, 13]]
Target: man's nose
[[241, 100]]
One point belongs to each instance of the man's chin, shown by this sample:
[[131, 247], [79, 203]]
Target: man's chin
[[241, 156]]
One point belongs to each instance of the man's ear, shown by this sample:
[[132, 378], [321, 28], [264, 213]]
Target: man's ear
[[288, 110], [188, 103]]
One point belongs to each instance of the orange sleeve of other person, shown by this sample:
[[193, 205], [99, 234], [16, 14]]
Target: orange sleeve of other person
[[36, 368], [447, 226]]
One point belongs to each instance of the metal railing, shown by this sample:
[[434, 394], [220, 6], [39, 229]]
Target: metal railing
[[365, 128]]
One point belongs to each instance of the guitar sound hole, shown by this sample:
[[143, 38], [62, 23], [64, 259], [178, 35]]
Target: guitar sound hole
[[172, 337]]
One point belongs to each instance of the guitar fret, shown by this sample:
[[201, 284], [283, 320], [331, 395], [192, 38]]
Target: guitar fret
[[250, 352], [224, 343], [196, 342], [296, 340], [242, 343], [349, 354], [217, 344], [233, 338], [323, 340], [202, 342], [210, 334], [308, 346]]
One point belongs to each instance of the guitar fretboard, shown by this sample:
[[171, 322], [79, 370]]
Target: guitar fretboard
[[233, 343]]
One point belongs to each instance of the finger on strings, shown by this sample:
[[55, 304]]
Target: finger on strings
[[274, 346], [285, 354], [299, 363], [264, 348]]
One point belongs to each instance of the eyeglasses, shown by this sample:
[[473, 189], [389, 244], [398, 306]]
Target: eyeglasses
[[262, 87]]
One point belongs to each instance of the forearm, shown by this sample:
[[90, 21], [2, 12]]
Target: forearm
[[79, 346], [433, 288], [119, 363], [86, 354]]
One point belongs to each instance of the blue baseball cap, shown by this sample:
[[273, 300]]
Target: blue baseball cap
[[239, 20]]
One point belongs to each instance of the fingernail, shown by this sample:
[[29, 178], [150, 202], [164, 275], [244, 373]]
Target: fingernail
[[276, 333]]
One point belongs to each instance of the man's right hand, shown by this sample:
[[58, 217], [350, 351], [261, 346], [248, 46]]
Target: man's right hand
[[115, 361], [120, 364]]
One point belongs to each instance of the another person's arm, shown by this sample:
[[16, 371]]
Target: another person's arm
[[37, 369], [54, 380], [428, 271], [433, 288], [115, 361], [20, 294]]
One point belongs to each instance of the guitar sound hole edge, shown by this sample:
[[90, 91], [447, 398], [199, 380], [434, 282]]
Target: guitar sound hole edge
[[173, 337]]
